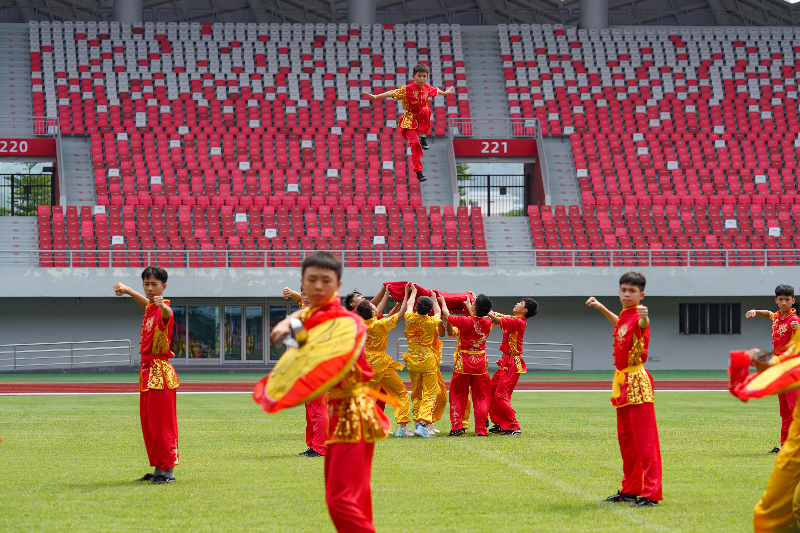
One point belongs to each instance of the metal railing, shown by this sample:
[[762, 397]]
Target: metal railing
[[402, 258], [28, 126], [71, 354], [619, 16], [492, 128], [493, 354]]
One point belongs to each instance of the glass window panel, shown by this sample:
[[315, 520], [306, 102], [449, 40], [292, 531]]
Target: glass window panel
[[178, 343], [276, 314], [254, 317], [233, 332], [204, 332]]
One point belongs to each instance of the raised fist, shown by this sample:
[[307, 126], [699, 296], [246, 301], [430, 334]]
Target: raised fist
[[287, 293], [120, 289], [750, 314], [592, 302], [642, 310]]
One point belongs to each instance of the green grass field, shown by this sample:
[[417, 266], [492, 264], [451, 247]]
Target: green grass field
[[69, 461]]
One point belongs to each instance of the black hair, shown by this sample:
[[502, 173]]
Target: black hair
[[531, 307], [636, 279], [424, 305], [325, 261], [420, 67], [155, 272], [784, 290], [364, 310], [483, 305], [348, 300]]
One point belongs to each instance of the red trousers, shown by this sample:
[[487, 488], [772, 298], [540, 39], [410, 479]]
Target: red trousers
[[159, 427], [459, 396], [347, 486], [787, 401], [641, 454], [500, 410], [316, 424], [412, 137]]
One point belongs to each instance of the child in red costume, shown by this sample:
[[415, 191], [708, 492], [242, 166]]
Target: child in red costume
[[157, 378], [511, 366], [632, 395], [416, 121], [471, 369], [316, 410], [784, 324], [354, 421]]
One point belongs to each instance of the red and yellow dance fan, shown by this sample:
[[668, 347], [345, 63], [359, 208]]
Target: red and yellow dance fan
[[316, 365], [454, 300], [783, 375]]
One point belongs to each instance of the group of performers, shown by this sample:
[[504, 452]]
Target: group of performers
[[340, 371]]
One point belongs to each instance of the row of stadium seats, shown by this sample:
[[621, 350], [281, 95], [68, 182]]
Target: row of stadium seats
[[192, 229]]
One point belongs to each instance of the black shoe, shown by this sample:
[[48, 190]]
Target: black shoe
[[621, 497], [644, 502], [160, 480], [511, 432], [423, 142], [479, 435], [776, 449], [495, 429], [421, 177], [311, 453], [305, 452], [147, 477], [457, 432]]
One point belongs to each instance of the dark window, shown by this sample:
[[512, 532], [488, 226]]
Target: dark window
[[711, 319]]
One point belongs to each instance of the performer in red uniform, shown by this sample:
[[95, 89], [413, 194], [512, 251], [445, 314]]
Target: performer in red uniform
[[157, 377], [416, 121], [316, 409], [354, 421], [511, 366], [471, 369], [632, 395], [784, 324]]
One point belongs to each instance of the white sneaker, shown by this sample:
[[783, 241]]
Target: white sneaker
[[432, 430], [404, 432]]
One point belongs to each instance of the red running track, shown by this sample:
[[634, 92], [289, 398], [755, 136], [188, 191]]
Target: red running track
[[247, 386]]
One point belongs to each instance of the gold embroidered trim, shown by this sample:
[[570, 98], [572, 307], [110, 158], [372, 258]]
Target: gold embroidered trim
[[637, 350], [159, 373], [639, 388], [356, 418]]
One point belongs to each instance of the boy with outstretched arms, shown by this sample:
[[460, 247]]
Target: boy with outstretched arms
[[416, 120], [385, 368], [157, 377], [354, 298], [632, 395], [784, 324], [421, 358], [316, 409], [471, 369], [511, 366], [355, 422]]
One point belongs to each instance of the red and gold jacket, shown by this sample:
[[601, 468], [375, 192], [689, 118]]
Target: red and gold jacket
[[782, 331], [632, 384], [156, 371], [513, 331], [415, 99]]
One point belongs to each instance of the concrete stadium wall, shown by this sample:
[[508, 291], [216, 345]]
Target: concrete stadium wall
[[560, 320]]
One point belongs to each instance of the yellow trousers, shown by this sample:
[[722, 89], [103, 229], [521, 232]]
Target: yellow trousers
[[395, 388], [778, 511], [440, 404], [424, 389]]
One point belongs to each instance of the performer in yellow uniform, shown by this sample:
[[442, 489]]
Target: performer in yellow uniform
[[422, 361], [383, 365], [779, 507]]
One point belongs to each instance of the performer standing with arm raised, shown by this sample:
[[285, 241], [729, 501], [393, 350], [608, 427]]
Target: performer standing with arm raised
[[157, 377]]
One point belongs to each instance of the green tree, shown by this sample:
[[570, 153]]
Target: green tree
[[519, 212], [464, 175], [30, 190]]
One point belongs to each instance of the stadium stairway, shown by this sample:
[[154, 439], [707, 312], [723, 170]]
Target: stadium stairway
[[564, 186], [486, 81], [509, 233], [15, 64], [77, 154], [438, 190], [17, 236]]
